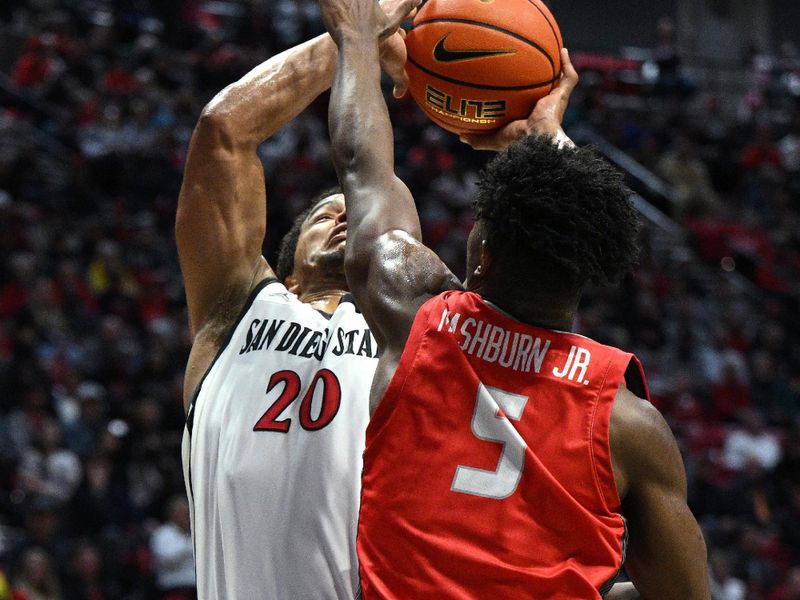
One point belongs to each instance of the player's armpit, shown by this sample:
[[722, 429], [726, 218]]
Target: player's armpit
[[666, 557]]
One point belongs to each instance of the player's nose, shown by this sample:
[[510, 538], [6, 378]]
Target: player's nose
[[341, 216]]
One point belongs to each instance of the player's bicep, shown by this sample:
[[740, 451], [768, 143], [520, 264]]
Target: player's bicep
[[221, 221], [666, 555]]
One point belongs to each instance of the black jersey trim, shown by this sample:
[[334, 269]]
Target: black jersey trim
[[634, 379], [346, 297], [227, 340], [350, 299], [606, 587]]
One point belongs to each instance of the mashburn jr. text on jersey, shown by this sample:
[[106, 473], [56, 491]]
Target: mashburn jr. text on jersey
[[512, 350]]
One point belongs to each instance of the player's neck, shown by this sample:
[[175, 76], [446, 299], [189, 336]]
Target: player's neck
[[533, 310], [325, 300]]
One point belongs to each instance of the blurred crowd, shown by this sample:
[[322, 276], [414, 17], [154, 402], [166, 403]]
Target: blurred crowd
[[95, 118]]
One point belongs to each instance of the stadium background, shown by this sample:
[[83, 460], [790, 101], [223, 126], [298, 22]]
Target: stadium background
[[698, 101]]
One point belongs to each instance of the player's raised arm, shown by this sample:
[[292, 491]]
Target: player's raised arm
[[666, 556], [221, 219], [389, 270], [222, 213]]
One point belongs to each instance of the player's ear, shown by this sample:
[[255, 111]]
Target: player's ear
[[484, 264]]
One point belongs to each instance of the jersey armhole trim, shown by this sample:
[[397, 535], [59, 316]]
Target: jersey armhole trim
[[595, 474], [606, 587], [348, 298], [227, 340], [642, 379]]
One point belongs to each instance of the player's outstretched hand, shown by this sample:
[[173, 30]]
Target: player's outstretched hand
[[545, 119], [364, 19]]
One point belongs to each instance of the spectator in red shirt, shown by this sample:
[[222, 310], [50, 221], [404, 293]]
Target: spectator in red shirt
[[761, 152], [36, 63]]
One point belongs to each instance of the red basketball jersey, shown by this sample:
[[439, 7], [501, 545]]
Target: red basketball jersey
[[487, 471]]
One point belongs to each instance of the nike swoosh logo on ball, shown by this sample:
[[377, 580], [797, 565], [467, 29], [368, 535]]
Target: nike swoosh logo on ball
[[442, 54]]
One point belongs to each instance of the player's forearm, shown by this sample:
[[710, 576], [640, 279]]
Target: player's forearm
[[273, 93], [361, 132]]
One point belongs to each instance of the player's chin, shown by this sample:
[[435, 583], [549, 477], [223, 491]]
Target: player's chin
[[337, 251], [334, 252], [332, 260]]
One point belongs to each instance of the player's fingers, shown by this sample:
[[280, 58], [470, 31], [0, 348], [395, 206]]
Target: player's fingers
[[393, 59], [389, 6], [398, 13], [400, 85], [569, 75], [478, 141], [498, 140]]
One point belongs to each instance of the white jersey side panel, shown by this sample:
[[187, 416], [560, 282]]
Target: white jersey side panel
[[273, 453]]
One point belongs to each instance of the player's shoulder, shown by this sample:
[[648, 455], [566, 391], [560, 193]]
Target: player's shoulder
[[409, 271], [273, 296], [273, 290], [268, 298], [635, 417], [642, 444], [275, 303]]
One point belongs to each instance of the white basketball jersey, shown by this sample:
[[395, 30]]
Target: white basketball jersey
[[272, 452]]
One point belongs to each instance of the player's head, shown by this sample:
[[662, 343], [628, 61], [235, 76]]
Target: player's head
[[312, 252], [550, 221]]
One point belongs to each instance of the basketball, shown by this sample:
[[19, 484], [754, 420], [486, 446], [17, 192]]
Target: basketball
[[475, 65]]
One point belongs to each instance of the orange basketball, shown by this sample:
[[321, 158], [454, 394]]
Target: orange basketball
[[475, 65]]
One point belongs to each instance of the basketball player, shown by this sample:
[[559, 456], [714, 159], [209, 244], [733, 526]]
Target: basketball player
[[277, 381], [503, 450]]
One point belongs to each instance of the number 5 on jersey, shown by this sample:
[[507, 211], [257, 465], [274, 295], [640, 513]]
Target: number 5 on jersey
[[490, 422]]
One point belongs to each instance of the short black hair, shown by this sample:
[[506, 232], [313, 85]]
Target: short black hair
[[559, 216], [288, 245]]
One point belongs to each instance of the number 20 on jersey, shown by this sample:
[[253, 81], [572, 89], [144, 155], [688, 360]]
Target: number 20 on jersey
[[313, 415]]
